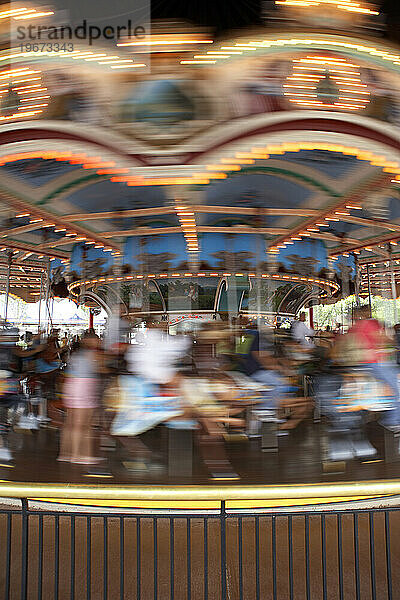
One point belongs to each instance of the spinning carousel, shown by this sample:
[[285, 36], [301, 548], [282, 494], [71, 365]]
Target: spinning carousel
[[256, 176]]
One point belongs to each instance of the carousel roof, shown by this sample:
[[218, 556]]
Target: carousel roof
[[275, 195], [171, 164]]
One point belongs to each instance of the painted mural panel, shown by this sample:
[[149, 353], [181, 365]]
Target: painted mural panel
[[174, 102]]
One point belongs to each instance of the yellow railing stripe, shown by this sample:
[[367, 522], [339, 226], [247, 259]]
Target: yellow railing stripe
[[200, 492]]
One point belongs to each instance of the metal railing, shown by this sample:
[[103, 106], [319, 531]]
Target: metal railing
[[208, 555]]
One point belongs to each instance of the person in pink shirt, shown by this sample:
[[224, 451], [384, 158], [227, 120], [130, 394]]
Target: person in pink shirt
[[372, 351]]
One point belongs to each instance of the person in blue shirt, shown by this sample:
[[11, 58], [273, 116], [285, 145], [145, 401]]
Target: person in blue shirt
[[256, 360]]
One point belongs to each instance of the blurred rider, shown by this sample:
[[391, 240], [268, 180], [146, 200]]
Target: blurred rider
[[371, 349]]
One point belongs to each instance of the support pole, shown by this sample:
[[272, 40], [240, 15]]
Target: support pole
[[40, 299], [259, 253], [231, 296], [231, 288], [9, 258], [260, 250], [83, 275], [369, 292], [357, 279], [47, 296], [393, 282]]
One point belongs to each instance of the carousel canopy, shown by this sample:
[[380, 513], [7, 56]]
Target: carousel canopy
[[270, 153]]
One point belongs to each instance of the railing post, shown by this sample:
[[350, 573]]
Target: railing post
[[388, 556], [24, 549], [223, 550]]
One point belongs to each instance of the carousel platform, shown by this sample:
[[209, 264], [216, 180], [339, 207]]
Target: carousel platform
[[286, 529], [298, 463]]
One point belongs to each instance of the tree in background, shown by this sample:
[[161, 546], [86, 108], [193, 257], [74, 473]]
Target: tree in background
[[342, 311]]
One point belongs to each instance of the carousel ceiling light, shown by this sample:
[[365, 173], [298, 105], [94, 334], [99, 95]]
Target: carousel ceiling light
[[6, 14], [219, 52], [335, 79], [346, 80], [95, 57], [198, 62], [299, 76], [253, 155], [211, 55], [32, 87], [318, 69], [10, 75], [311, 103], [35, 98], [109, 58], [246, 47], [165, 42], [340, 72], [305, 95], [33, 106], [301, 87], [347, 5], [242, 161], [358, 9], [35, 91], [82, 55], [33, 15], [127, 66], [110, 61], [295, 2], [223, 167]]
